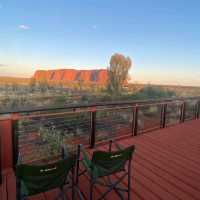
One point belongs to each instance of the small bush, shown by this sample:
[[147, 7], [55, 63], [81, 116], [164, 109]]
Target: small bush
[[153, 92]]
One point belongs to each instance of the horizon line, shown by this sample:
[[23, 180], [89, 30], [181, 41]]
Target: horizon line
[[130, 82]]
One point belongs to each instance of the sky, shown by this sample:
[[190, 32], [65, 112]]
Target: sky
[[161, 37]]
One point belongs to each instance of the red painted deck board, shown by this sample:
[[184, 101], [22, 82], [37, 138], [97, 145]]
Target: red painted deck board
[[166, 166]]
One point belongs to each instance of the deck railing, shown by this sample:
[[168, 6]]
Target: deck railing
[[30, 132]]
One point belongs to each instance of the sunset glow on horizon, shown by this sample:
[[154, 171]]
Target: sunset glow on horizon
[[162, 38]]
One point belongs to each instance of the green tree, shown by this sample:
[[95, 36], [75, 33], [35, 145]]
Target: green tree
[[118, 73]]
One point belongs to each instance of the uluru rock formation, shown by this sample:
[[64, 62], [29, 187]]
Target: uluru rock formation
[[72, 75]]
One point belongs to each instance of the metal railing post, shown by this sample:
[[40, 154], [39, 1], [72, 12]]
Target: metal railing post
[[163, 116], [93, 127], [136, 120], [133, 121], [197, 109], [183, 109]]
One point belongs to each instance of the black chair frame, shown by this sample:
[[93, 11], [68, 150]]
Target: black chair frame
[[109, 183]]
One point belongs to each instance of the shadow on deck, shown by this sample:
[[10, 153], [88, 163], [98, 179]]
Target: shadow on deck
[[166, 166]]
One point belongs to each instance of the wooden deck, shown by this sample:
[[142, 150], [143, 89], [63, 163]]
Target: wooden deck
[[166, 166]]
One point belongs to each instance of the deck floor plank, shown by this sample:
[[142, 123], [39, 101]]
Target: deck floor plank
[[166, 166]]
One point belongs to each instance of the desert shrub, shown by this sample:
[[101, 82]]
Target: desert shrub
[[153, 92], [86, 98], [52, 138], [60, 100]]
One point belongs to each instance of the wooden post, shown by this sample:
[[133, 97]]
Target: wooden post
[[93, 128], [7, 152], [6, 143]]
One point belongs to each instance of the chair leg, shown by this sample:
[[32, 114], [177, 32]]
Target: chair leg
[[113, 186], [23, 198], [61, 195], [18, 187], [64, 197], [91, 189], [115, 189], [73, 192], [78, 164], [129, 190], [81, 196], [129, 180]]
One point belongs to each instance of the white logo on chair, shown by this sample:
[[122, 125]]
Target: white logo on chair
[[116, 156], [47, 170]]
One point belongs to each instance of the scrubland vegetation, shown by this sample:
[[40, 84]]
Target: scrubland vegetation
[[30, 93]]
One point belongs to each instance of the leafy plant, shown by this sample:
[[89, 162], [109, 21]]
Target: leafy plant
[[52, 140]]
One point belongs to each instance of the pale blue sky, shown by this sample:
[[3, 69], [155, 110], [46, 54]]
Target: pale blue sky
[[162, 37]]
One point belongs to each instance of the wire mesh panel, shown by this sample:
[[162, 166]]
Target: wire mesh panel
[[190, 109], [113, 122], [149, 117], [173, 113], [41, 139], [44, 135]]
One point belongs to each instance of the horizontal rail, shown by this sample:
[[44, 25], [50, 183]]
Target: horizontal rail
[[90, 110]]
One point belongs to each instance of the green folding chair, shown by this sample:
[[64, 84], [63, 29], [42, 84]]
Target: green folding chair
[[104, 164], [32, 180]]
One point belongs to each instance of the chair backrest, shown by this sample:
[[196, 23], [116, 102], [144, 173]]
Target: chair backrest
[[37, 179], [113, 161]]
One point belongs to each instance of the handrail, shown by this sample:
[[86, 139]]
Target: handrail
[[98, 104]]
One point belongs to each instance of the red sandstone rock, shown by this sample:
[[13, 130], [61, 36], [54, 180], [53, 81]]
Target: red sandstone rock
[[69, 75], [40, 74], [102, 76], [87, 76]]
